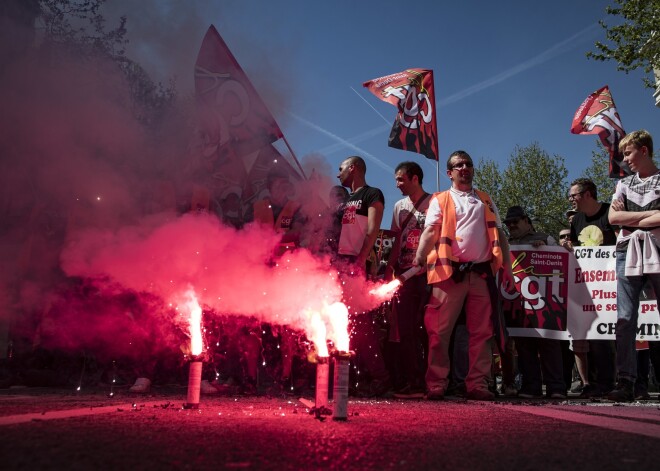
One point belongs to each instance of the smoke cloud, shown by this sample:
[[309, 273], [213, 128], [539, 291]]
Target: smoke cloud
[[98, 244]]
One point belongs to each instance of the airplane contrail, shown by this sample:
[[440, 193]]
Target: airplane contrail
[[358, 150], [371, 106], [355, 139], [545, 56]]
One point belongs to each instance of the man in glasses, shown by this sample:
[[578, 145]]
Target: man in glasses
[[590, 227], [464, 246], [535, 354], [565, 239]]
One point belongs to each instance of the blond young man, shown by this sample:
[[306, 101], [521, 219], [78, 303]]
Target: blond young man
[[636, 208]]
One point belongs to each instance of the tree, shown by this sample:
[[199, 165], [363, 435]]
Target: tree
[[532, 179], [77, 28], [598, 172], [635, 43]]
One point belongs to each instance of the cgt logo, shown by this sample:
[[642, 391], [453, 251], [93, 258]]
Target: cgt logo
[[412, 240], [413, 104], [535, 289]]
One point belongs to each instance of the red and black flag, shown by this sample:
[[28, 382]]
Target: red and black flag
[[411, 91], [598, 115]]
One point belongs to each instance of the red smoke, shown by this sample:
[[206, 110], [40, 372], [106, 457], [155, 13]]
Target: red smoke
[[228, 269], [92, 249]]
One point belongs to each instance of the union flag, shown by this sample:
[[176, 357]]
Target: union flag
[[232, 108], [411, 91], [598, 115], [236, 141]]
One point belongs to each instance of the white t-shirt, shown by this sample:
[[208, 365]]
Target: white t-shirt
[[409, 235], [471, 243]]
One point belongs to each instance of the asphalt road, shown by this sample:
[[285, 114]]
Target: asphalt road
[[58, 429]]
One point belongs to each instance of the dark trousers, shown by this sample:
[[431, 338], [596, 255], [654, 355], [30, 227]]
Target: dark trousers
[[408, 306], [646, 358], [540, 361], [602, 364], [568, 361], [365, 341]]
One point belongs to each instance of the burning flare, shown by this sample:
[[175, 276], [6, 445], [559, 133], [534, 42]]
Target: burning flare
[[386, 291], [338, 315], [195, 322], [319, 335]]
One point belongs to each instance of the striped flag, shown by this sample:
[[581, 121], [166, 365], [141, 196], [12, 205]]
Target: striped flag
[[598, 115]]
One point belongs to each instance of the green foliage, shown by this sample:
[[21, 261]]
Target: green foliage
[[532, 179], [77, 28], [598, 172], [635, 42]]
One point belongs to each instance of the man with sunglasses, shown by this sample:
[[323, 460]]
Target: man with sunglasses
[[590, 226], [565, 239], [464, 246]]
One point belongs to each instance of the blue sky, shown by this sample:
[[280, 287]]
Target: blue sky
[[506, 73]]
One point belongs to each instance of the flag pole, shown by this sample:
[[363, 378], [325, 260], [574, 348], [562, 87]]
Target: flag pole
[[294, 157]]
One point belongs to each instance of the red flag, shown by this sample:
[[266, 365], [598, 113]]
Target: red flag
[[598, 115], [231, 108], [411, 91], [234, 149]]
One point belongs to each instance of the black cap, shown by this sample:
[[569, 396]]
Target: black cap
[[515, 212], [571, 212]]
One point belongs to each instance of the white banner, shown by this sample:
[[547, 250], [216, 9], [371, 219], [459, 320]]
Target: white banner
[[566, 295]]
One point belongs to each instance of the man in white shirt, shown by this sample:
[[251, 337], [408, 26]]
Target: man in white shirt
[[464, 246]]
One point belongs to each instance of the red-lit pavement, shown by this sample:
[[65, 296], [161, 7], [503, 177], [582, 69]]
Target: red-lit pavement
[[56, 429]]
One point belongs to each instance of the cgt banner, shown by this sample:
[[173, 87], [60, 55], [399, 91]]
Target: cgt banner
[[564, 295]]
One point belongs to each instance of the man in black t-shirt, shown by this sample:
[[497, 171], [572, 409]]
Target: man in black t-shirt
[[362, 215], [591, 227], [362, 212]]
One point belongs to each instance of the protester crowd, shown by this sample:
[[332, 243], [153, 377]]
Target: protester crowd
[[443, 333]]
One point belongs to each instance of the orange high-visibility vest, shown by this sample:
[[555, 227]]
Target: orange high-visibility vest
[[440, 260]]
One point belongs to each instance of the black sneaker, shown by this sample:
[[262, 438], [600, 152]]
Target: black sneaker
[[590, 391], [623, 392], [457, 390]]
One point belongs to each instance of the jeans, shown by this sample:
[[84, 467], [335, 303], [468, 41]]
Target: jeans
[[629, 290]]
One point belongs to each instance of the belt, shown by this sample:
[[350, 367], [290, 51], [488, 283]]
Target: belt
[[461, 268]]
